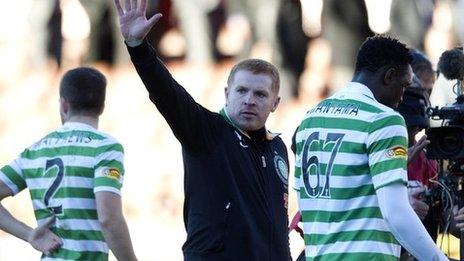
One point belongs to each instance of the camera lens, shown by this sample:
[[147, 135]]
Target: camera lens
[[446, 142], [450, 143]]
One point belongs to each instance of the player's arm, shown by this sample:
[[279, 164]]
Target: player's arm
[[8, 223], [114, 225], [40, 238], [405, 224], [387, 146], [109, 176]]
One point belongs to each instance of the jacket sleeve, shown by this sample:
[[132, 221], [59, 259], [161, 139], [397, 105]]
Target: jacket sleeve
[[191, 123]]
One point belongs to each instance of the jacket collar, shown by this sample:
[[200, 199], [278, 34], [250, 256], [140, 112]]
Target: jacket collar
[[223, 112]]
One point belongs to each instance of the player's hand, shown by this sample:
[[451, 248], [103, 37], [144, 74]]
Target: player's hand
[[416, 148], [43, 239], [459, 219], [132, 21], [419, 206]]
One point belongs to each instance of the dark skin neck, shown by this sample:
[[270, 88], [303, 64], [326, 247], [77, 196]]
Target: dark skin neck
[[373, 81], [386, 83]]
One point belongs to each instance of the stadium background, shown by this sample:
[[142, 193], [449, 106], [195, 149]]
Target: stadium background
[[153, 186]]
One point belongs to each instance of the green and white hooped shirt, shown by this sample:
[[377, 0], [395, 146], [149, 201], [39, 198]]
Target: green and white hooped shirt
[[347, 147], [63, 171]]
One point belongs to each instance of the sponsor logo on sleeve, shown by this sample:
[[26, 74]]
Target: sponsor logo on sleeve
[[396, 152], [112, 173]]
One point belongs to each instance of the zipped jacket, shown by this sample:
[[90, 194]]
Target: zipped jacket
[[236, 184]]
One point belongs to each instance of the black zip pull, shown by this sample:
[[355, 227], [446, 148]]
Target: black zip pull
[[264, 161]]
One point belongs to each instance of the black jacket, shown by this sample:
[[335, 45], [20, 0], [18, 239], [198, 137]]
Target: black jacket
[[235, 185]]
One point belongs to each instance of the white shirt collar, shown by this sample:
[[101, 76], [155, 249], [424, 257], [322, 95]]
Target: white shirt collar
[[77, 125], [357, 87]]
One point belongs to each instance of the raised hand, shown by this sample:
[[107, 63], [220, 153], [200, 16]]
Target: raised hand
[[414, 150], [43, 239], [132, 22]]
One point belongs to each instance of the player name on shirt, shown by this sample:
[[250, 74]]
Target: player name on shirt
[[333, 107], [75, 136]]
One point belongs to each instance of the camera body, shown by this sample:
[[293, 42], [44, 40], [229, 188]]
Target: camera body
[[447, 146], [447, 142]]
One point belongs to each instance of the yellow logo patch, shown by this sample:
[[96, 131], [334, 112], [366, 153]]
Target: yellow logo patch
[[113, 173], [397, 151]]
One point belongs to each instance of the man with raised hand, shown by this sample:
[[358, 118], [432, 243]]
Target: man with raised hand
[[74, 175], [235, 169]]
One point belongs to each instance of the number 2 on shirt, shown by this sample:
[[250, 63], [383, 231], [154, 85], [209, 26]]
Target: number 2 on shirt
[[56, 162]]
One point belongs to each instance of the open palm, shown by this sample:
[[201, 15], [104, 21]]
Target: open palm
[[43, 239], [132, 21]]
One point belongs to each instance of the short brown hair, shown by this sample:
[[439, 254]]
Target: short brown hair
[[84, 88], [257, 66]]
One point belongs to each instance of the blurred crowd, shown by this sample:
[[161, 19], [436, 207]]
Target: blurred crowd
[[312, 42], [209, 32]]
